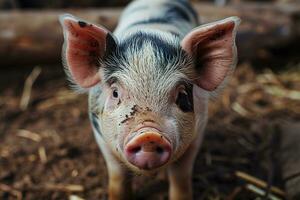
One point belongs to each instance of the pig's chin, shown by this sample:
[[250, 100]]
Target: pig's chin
[[145, 172], [147, 150]]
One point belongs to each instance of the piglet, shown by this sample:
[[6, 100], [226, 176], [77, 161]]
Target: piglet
[[149, 84]]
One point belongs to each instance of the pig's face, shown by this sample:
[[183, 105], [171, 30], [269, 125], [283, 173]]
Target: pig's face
[[149, 91], [147, 111], [125, 119]]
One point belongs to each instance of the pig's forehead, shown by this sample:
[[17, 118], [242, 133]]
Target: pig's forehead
[[164, 43], [147, 57]]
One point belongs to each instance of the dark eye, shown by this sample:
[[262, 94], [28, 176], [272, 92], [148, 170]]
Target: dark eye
[[184, 99], [115, 93]]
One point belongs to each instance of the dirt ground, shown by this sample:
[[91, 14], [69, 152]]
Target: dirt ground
[[47, 149]]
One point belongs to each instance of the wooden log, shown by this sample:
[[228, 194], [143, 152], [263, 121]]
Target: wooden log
[[264, 25], [38, 4], [35, 37]]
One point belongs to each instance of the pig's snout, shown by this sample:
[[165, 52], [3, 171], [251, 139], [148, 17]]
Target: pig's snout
[[148, 150]]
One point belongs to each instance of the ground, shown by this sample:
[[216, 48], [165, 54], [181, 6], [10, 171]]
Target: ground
[[47, 149]]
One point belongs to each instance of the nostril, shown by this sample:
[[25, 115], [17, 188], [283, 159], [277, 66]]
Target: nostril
[[159, 150], [136, 149]]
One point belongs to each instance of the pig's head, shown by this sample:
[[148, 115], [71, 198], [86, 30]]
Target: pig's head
[[154, 89]]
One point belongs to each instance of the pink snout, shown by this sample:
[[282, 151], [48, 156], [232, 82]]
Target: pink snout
[[148, 151]]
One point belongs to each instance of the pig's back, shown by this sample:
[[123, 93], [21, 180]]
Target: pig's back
[[174, 17]]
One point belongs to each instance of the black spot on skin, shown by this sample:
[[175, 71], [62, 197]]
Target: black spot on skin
[[200, 60], [111, 45], [111, 53], [151, 21], [95, 124], [176, 12], [185, 101], [134, 110], [166, 52], [190, 9], [161, 47], [94, 62], [175, 34], [173, 13], [125, 120], [82, 24]]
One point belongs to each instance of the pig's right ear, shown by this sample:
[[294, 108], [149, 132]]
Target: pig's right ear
[[212, 48], [85, 46]]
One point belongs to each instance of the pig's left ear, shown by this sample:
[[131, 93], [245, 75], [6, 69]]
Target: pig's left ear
[[85, 46], [212, 48]]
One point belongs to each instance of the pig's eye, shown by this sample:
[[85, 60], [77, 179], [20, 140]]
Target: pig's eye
[[184, 99], [115, 93]]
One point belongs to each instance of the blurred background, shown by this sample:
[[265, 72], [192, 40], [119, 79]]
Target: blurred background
[[251, 148]]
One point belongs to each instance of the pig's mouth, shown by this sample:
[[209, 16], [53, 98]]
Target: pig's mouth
[[147, 148]]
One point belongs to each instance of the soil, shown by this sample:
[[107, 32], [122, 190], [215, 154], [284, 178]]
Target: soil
[[47, 150]]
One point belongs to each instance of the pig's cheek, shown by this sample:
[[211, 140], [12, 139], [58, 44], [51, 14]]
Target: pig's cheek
[[111, 105], [184, 133], [110, 121], [123, 131], [110, 130], [173, 132], [113, 128]]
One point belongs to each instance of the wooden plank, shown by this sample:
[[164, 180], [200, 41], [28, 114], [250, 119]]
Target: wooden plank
[[35, 37]]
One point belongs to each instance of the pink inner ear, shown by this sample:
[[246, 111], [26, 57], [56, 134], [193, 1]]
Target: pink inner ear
[[85, 45], [213, 50]]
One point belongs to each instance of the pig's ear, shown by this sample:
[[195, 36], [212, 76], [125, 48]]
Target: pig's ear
[[212, 48], [85, 46]]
